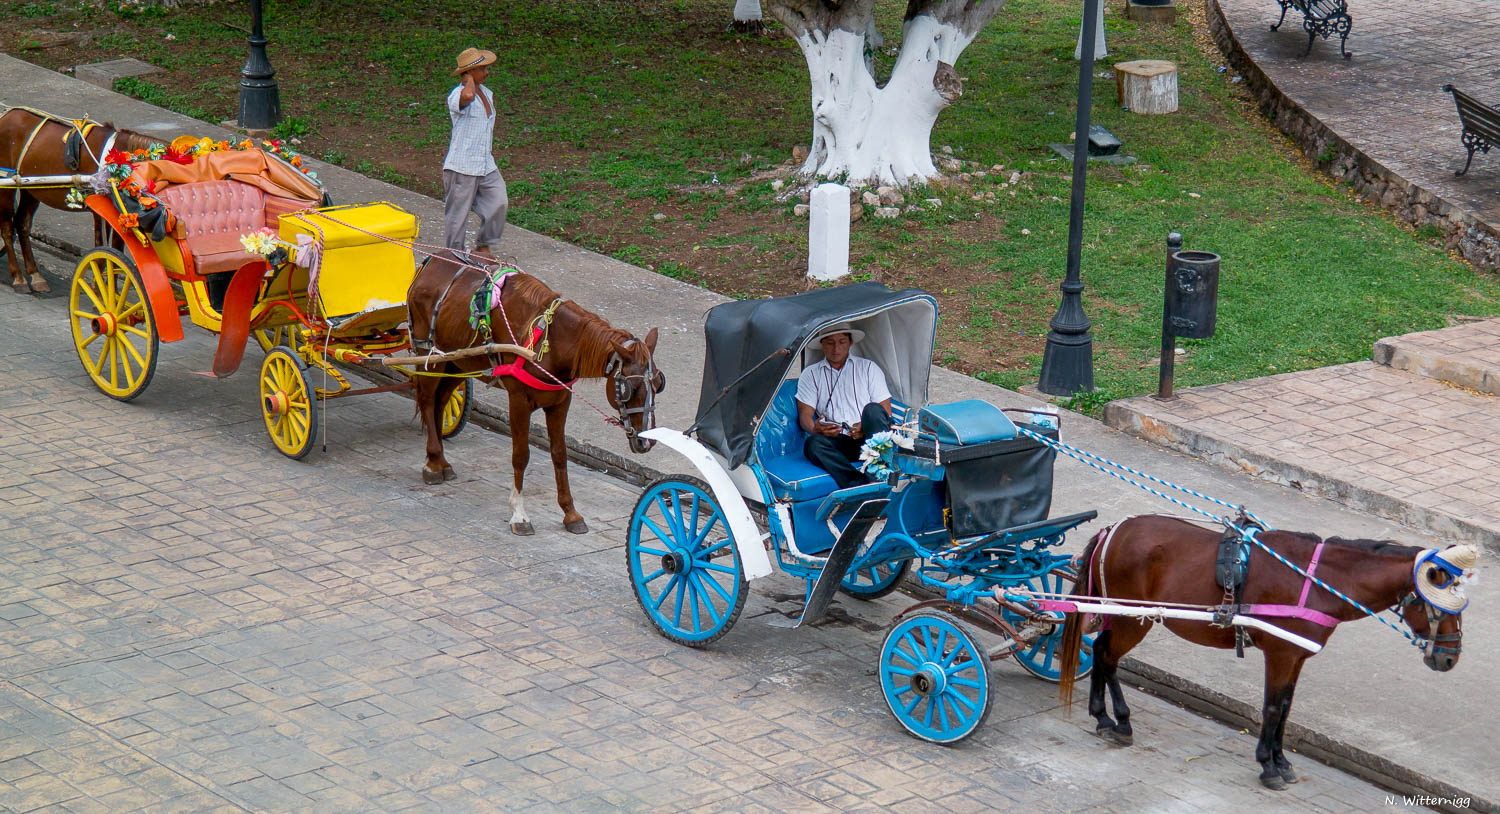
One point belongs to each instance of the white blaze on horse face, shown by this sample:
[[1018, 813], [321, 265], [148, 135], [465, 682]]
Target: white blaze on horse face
[[517, 507]]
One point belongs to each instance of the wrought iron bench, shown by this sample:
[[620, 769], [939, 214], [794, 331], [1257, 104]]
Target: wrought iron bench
[[1481, 124], [1320, 18]]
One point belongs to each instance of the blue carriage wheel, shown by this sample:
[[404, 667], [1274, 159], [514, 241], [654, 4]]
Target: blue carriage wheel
[[683, 563], [1042, 658], [935, 677], [875, 581]]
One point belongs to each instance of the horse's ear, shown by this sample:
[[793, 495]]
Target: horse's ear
[[651, 340]]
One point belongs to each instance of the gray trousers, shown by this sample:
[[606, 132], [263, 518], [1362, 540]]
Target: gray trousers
[[485, 196]]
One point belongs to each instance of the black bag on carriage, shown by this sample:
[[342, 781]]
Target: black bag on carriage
[[995, 477]]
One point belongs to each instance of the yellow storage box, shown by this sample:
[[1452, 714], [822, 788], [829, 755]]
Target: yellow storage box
[[360, 272]]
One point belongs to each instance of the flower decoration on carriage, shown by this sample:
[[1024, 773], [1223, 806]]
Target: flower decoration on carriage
[[264, 243], [877, 456]]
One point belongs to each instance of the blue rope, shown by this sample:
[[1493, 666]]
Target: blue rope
[[1247, 534]]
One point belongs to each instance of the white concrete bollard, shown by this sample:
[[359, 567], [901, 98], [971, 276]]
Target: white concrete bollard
[[828, 233]]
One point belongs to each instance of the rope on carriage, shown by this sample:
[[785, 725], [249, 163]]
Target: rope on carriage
[[1246, 533], [430, 250]]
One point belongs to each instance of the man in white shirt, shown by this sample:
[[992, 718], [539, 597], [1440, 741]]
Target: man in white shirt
[[471, 181], [840, 401]]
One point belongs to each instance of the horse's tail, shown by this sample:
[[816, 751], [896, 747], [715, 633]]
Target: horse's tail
[[1072, 635]]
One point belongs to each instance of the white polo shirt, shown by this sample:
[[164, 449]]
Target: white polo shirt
[[841, 395], [473, 134]]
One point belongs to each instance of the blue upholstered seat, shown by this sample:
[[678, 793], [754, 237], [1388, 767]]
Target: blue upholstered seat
[[778, 448]]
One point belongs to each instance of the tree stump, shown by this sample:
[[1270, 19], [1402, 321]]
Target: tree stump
[[1147, 85]]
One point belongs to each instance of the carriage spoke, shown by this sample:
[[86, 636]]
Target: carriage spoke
[[900, 671], [900, 650], [692, 526], [927, 651], [92, 295], [716, 546], [942, 705], [700, 536], [927, 716], [692, 594], [133, 352], [667, 590], [651, 577], [660, 535], [959, 668], [959, 698], [676, 518], [917, 699], [710, 566], [717, 587], [129, 312], [942, 644], [681, 591], [708, 600], [114, 372], [965, 682], [666, 515], [650, 552], [134, 330]]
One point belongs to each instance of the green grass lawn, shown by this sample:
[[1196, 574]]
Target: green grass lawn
[[614, 112]]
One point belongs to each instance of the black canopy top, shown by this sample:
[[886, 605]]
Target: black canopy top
[[899, 328]]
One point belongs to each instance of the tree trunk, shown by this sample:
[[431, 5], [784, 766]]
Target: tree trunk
[[863, 132]]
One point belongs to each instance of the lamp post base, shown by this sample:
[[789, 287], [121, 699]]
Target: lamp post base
[[1067, 364]]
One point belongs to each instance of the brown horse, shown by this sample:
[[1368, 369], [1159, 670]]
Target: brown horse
[[578, 345], [1168, 560], [32, 144]]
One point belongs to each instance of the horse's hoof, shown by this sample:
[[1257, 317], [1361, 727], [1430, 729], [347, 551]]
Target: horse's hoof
[[431, 478], [577, 527], [1273, 782], [522, 529], [448, 473], [1117, 738], [20, 287], [39, 285], [1287, 774]]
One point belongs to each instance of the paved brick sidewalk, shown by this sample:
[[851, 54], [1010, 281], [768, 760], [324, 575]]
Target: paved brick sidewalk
[[1387, 101], [191, 622], [1392, 441]]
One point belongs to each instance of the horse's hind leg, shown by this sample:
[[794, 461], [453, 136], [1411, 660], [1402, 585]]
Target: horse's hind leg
[[557, 417], [7, 242], [436, 470], [25, 211], [1123, 635], [1097, 685], [1282, 670]]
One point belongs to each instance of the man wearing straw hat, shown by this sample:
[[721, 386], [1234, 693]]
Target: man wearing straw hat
[[471, 181], [841, 401]]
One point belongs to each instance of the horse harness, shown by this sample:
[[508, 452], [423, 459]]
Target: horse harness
[[486, 297]]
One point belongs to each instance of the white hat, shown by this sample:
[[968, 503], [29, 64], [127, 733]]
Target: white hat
[[855, 334], [1440, 576]]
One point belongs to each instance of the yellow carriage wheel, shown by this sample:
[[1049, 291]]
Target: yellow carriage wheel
[[269, 338], [456, 412], [288, 404], [113, 331]]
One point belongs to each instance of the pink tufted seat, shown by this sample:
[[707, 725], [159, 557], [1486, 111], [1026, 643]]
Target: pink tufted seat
[[214, 214]]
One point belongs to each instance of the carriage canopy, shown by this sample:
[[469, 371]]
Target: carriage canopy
[[899, 328]]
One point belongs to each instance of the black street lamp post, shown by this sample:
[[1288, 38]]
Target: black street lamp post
[[1068, 361], [260, 100]]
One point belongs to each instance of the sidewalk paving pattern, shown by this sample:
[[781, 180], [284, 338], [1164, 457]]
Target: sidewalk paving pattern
[[1360, 699]]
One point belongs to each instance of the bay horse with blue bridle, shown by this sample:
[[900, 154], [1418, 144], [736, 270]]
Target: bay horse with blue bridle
[[455, 303], [1168, 560]]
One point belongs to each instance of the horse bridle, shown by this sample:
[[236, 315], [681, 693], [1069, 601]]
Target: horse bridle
[[1434, 644], [622, 389]]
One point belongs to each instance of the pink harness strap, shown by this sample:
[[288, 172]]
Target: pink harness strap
[[1300, 611], [517, 366]]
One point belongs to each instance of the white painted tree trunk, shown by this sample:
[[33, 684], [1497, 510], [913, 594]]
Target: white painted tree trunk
[[746, 11], [875, 135], [1099, 50]]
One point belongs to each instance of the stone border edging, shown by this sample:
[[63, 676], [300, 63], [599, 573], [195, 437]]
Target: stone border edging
[[1476, 240], [1449, 369], [1187, 693]]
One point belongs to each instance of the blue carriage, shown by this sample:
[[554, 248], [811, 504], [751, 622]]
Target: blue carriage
[[962, 507]]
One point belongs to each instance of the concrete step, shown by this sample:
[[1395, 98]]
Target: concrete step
[[1383, 441], [1466, 355]]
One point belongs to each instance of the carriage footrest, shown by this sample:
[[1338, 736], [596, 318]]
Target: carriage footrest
[[845, 499], [840, 557]]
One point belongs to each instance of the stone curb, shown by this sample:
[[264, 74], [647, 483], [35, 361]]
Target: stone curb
[[1456, 370], [1188, 693], [1128, 416], [1476, 240]]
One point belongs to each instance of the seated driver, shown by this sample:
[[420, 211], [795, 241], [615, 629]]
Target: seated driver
[[840, 401]]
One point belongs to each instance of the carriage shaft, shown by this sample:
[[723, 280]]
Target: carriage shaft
[[18, 181], [1238, 620]]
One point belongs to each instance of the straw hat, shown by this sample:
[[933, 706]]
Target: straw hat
[[855, 334], [472, 58], [1440, 576]]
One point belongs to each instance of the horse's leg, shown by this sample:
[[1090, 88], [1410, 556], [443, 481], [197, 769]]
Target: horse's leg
[[444, 391], [1125, 634], [1097, 686], [426, 398], [520, 454], [24, 213], [8, 235], [557, 419], [1282, 669]]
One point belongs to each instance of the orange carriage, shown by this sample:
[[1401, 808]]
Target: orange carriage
[[243, 241]]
